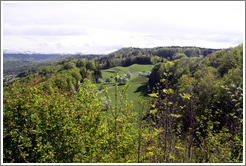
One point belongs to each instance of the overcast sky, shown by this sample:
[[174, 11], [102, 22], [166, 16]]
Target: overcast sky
[[103, 27]]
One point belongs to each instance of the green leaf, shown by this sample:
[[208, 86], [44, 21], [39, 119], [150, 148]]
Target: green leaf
[[170, 103], [171, 91], [153, 111], [153, 105], [185, 96], [153, 95], [165, 91], [151, 153], [176, 115]]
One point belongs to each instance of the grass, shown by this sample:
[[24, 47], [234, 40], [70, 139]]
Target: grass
[[137, 88]]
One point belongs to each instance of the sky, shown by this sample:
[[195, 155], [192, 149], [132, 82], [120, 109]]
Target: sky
[[101, 27]]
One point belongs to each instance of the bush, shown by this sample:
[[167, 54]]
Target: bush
[[123, 80], [100, 80], [128, 75], [109, 79]]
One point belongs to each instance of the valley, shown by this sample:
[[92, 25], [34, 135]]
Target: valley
[[137, 84], [155, 105]]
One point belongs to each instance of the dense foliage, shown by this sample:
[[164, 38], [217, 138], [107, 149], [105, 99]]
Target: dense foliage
[[65, 75], [194, 112], [200, 101], [129, 56], [25, 64]]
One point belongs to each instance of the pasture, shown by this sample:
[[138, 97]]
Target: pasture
[[137, 84]]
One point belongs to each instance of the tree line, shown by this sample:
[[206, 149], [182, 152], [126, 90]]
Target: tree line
[[128, 56]]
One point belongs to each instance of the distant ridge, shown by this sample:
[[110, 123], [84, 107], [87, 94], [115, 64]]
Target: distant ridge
[[30, 56]]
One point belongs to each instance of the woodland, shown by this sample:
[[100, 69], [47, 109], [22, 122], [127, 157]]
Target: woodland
[[134, 105]]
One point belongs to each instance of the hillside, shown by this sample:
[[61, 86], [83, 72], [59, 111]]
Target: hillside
[[171, 105], [129, 56], [19, 63], [137, 84]]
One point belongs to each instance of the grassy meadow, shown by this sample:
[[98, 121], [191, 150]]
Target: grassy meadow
[[137, 84]]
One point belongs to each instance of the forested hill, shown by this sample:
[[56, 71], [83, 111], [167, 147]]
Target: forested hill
[[163, 51], [130, 55], [16, 63], [220, 63]]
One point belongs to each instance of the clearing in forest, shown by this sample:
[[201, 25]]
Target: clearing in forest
[[137, 88]]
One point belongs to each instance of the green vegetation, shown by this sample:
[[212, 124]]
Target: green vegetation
[[129, 56], [100, 110], [26, 64], [137, 84]]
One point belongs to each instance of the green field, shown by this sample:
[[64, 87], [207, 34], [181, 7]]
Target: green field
[[137, 88]]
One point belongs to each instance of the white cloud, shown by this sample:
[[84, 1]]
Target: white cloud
[[100, 27], [43, 30]]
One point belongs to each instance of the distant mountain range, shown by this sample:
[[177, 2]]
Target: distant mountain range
[[32, 56], [9, 51]]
